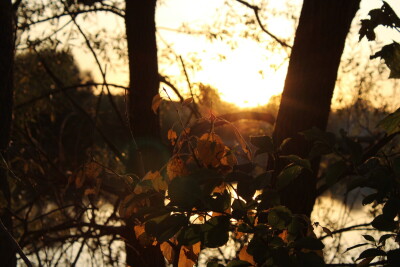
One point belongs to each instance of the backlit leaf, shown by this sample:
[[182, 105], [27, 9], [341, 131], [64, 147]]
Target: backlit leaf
[[156, 103]]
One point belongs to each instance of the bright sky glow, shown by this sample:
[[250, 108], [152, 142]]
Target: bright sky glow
[[247, 77]]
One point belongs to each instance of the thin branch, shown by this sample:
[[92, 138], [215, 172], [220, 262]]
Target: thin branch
[[75, 13], [256, 9], [195, 109], [15, 244], [60, 85], [346, 229], [103, 74], [60, 90]]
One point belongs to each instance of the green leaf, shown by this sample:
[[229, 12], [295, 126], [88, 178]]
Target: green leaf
[[269, 198], [238, 263], [216, 231], [315, 134], [391, 54], [170, 226], [264, 144], [369, 238], [391, 123], [369, 199], [371, 252], [190, 235], [287, 175], [305, 163], [382, 239], [335, 171], [382, 223], [393, 257], [309, 242], [391, 208], [184, 191], [214, 264], [384, 16], [279, 217], [245, 189]]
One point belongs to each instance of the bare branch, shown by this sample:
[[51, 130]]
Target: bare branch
[[256, 10]]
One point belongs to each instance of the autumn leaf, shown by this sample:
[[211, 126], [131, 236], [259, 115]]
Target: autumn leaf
[[229, 158], [152, 180], [244, 256], [188, 255], [176, 168], [210, 149], [167, 251], [243, 144], [88, 173], [187, 101], [141, 235], [172, 136], [156, 103]]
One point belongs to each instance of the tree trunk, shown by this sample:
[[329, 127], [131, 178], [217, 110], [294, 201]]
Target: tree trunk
[[144, 85], [150, 153], [7, 253], [309, 85]]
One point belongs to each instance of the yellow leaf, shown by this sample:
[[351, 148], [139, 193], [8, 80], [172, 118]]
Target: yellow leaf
[[144, 239], [244, 256], [210, 149], [243, 144], [139, 229], [172, 136], [176, 168], [187, 101], [156, 103], [143, 187], [187, 258], [229, 158], [167, 251], [159, 184]]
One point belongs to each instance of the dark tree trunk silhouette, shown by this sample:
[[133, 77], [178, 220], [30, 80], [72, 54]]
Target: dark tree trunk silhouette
[[7, 253], [144, 85], [318, 46]]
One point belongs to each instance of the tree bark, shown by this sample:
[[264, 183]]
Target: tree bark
[[144, 85], [310, 81], [150, 153], [7, 252]]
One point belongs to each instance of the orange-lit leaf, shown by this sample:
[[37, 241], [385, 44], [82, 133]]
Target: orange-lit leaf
[[144, 239], [167, 251], [172, 136], [210, 149], [187, 258], [229, 158], [156, 103], [243, 144], [244, 256], [187, 101], [176, 168], [157, 183]]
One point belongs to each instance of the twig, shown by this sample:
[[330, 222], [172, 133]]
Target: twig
[[256, 10]]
